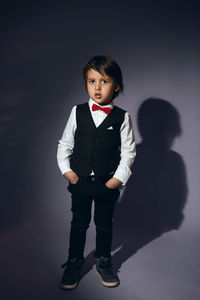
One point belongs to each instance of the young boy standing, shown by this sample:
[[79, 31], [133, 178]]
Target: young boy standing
[[95, 155]]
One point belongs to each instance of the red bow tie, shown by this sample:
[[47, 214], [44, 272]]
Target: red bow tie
[[107, 110]]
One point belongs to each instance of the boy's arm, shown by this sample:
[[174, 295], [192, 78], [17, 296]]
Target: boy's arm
[[66, 144], [128, 153]]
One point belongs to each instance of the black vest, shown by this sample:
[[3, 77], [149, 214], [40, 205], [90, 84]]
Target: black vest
[[96, 148]]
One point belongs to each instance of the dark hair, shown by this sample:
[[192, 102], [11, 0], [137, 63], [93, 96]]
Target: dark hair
[[109, 66]]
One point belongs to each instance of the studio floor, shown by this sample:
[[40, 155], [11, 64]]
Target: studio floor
[[166, 268]]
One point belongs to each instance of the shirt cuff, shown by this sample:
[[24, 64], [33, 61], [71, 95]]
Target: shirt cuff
[[123, 174], [64, 168]]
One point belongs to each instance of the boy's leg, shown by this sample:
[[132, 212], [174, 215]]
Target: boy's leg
[[81, 216], [103, 218]]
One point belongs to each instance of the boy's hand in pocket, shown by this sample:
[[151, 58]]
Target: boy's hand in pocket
[[113, 183], [71, 176]]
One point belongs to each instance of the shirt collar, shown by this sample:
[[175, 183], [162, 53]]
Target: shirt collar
[[91, 102]]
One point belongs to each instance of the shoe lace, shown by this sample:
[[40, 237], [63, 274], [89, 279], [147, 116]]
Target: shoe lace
[[107, 267], [65, 264], [72, 263], [108, 270]]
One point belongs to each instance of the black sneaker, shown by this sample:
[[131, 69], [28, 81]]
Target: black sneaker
[[71, 273], [103, 269]]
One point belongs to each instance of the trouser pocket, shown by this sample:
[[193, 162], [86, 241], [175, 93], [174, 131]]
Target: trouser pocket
[[73, 186]]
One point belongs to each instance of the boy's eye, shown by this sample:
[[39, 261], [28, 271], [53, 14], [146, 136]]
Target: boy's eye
[[103, 81]]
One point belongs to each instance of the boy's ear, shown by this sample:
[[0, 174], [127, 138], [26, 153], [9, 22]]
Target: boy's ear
[[117, 88]]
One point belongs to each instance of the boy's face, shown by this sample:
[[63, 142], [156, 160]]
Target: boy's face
[[100, 87]]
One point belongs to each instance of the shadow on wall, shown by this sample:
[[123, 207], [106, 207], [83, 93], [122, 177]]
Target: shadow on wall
[[155, 196], [156, 192]]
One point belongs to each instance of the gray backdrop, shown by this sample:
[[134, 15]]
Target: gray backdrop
[[156, 232]]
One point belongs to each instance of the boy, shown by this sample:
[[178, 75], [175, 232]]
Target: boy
[[95, 155]]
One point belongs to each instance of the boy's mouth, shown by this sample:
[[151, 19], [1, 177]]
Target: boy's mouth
[[98, 96]]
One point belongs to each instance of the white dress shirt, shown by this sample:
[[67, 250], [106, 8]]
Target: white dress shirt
[[128, 145]]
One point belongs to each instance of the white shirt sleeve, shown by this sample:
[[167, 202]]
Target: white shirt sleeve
[[66, 143], [128, 150]]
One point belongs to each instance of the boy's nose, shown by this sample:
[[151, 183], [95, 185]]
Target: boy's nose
[[98, 86]]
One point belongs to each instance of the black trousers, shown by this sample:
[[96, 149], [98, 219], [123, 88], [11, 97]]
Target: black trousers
[[82, 194]]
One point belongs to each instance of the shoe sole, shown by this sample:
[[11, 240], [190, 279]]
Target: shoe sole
[[109, 284], [69, 287]]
